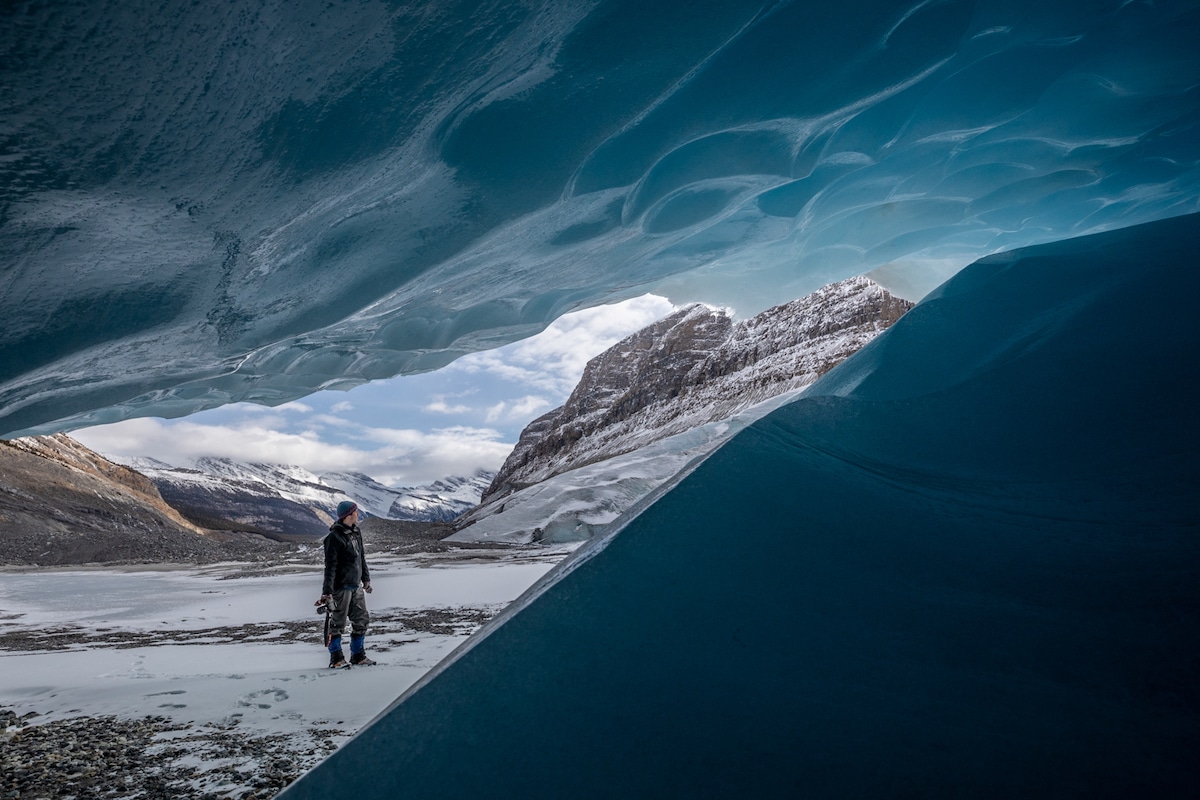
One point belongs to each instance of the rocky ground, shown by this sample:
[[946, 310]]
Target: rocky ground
[[103, 757], [155, 757], [385, 628], [250, 551]]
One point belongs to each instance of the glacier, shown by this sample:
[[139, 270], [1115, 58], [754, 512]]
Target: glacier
[[208, 203], [961, 564], [573, 506]]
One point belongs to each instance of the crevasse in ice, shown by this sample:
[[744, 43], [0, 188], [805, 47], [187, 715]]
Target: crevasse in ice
[[203, 203]]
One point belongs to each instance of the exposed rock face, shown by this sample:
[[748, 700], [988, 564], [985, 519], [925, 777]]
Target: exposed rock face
[[694, 367], [278, 502], [61, 503]]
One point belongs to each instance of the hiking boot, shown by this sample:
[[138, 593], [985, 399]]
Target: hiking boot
[[336, 659], [361, 660]]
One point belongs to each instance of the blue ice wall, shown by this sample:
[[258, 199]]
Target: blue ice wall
[[209, 202], [963, 565]]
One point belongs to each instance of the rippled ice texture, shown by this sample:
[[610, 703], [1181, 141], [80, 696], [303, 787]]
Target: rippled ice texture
[[202, 203]]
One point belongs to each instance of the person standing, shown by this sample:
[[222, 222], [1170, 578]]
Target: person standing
[[347, 578]]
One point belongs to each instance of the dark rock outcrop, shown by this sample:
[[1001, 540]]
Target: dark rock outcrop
[[61, 503], [693, 367]]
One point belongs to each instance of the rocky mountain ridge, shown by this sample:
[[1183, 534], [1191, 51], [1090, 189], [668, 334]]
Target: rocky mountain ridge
[[695, 367], [279, 502], [61, 503]]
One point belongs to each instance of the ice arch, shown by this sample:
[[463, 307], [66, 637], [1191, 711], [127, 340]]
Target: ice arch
[[202, 203]]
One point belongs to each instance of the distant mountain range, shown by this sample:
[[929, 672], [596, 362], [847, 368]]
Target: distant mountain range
[[61, 503], [279, 501]]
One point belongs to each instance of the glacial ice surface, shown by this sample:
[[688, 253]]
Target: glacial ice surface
[[962, 564], [206, 203]]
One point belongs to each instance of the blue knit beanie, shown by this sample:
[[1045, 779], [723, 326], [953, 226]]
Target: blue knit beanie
[[345, 508]]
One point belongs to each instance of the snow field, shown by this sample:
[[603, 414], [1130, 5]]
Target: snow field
[[266, 679]]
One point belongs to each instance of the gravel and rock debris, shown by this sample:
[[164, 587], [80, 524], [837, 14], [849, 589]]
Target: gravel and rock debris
[[151, 758], [156, 757], [386, 627]]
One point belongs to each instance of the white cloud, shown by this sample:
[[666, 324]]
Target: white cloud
[[529, 406], [331, 421], [397, 457], [524, 408], [181, 442], [342, 407], [438, 405], [409, 457], [553, 361]]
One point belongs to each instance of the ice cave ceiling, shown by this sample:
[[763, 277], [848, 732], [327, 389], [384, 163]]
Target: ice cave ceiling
[[203, 203]]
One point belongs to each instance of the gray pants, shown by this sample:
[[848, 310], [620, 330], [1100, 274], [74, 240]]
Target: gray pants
[[352, 604]]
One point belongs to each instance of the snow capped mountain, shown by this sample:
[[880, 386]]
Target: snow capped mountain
[[372, 496], [574, 505], [692, 368], [292, 483], [441, 501], [287, 501], [222, 494], [665, 397]]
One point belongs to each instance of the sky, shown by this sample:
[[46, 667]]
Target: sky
[[405, 431]]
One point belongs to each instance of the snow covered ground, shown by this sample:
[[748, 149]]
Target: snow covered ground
[[208, 650], [575, 505]]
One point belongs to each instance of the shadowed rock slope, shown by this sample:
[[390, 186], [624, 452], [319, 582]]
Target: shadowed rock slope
[[694, 367], [61, 503]]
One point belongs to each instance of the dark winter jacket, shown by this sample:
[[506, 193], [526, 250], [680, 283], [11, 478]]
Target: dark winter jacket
[[345, 561]]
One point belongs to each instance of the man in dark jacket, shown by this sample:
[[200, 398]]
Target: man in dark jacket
[[346, 578]]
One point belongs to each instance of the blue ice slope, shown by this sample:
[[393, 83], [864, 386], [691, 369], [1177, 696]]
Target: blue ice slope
[[965, 564]]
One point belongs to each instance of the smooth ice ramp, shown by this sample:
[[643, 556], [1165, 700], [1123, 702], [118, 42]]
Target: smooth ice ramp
[[963, 570]]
